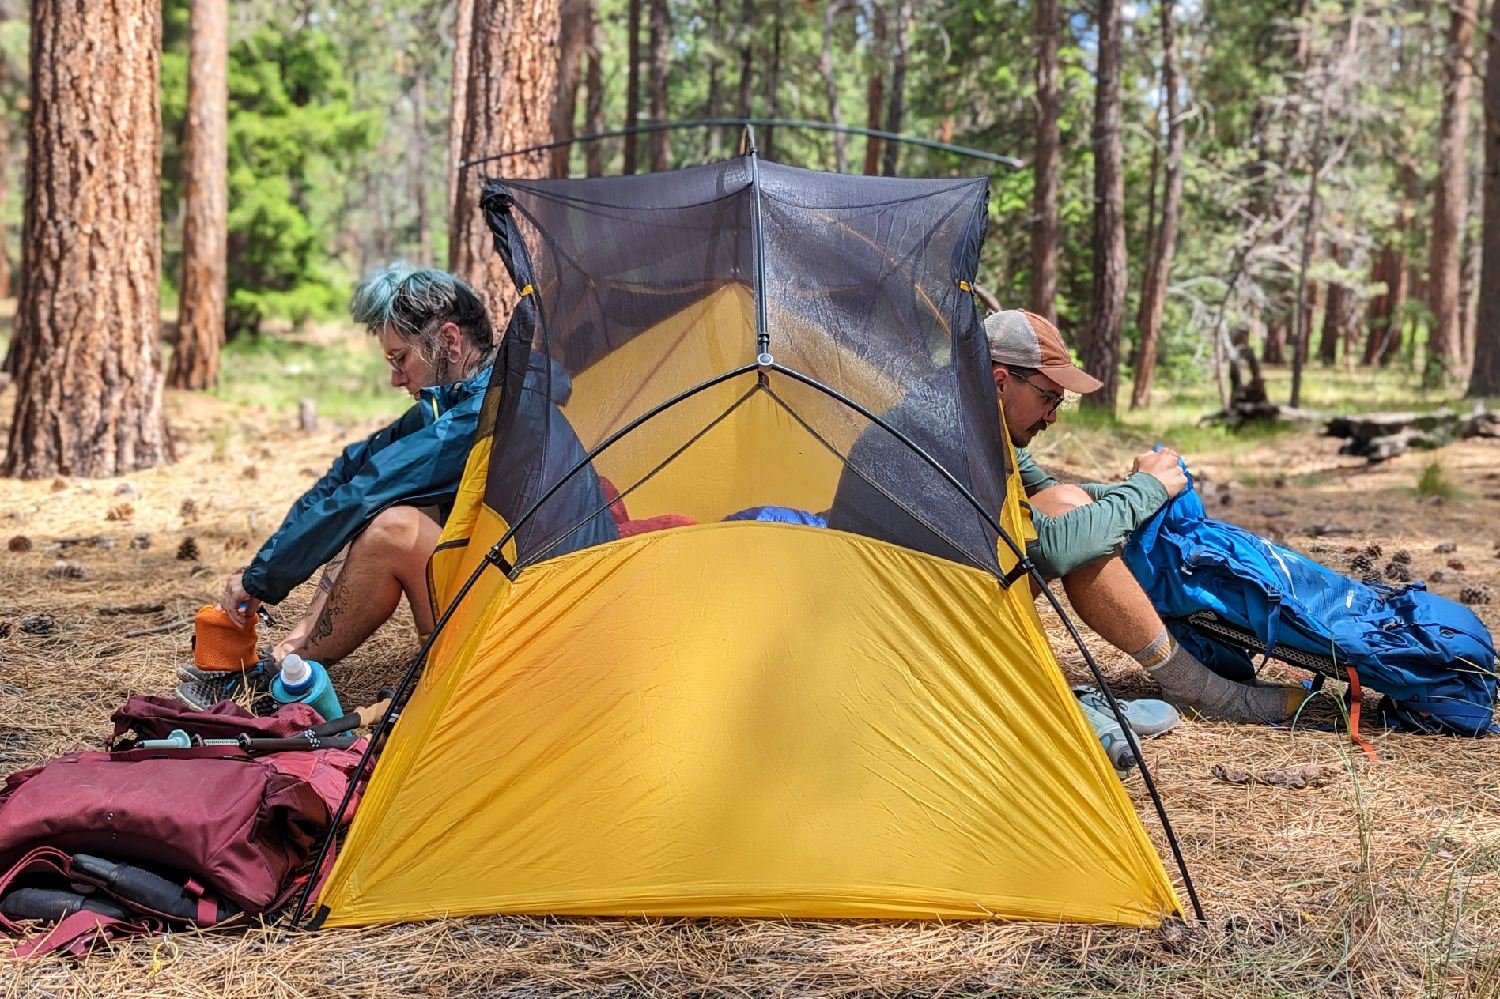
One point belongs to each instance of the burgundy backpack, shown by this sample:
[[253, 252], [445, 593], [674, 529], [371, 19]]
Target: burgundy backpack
[[136, 840]]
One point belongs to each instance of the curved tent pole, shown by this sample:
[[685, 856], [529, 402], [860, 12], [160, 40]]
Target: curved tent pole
[[762, 324], [494, 557], [1031, 570], [815, 126]]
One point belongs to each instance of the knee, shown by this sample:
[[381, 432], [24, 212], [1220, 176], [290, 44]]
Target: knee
[[1055, 501], [396, 528]]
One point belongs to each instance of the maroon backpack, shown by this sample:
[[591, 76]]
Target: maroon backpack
[[218, 830]]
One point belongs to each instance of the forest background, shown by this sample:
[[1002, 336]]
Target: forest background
[[1193, 180]]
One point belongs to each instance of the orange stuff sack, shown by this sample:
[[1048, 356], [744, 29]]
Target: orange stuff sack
[[218, 644]]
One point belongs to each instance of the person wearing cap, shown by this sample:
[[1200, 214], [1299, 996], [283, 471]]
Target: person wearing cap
[[1080, 528]]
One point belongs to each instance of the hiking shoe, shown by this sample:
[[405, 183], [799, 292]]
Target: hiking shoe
[[1147, 716], [205, 688]]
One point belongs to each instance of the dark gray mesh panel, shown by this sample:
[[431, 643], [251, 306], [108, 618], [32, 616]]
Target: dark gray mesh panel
[[645, 288]]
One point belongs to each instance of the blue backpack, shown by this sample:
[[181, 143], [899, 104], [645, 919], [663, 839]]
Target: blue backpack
[[1433, 658]]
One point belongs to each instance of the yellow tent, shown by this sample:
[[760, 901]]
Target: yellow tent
[[750, 710]]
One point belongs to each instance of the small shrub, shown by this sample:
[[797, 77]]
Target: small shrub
[[1434, 482]]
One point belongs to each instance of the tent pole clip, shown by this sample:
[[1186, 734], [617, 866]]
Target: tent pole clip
[[1022, 568], [765, 360]]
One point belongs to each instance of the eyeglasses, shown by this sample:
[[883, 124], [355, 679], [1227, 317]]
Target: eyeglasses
[[1051, 398], [397, 359]]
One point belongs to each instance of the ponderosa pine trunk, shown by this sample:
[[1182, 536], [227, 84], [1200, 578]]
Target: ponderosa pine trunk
[[713, 138], [1159, 265], [1484, 379], [632, 81], [89, 378], [512, 66], [458, 108], [593, 112], [875, 86], [831, 10], [896, 102], [1045, 230], [1444, 343], [747, 57], [419, 167], [1102, 357], [574, 28], [659, 143], [205, 221]]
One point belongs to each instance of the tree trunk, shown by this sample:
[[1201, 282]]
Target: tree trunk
[[1335, 318], [1103, 349], [659, 145], [458, 108], [419, 167], [1045, 230], [1468, 283], [895, 107], [1274, 349], [1444, 344], [875, 88], [1159, 265], [512, 64], [747, 55], [632, 80], [205, 223], [575, 26], [593, 112], [773, 85], [713, 142], [89, 380], [831, 10], [1484, 379]]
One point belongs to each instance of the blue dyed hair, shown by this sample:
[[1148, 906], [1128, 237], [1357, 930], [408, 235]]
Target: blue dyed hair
[[416, 301]]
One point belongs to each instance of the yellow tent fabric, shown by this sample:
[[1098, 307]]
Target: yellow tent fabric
[[745, 719]]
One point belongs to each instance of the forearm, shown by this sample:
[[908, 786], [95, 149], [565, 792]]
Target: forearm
[[1094, 530]]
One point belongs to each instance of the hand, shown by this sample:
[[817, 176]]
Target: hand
[[1165, 467], [239, 605]]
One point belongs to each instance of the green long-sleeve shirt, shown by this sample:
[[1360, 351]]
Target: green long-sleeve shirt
[[1091, 531]]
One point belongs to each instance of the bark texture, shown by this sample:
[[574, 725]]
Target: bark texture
[[205, 222], [89, 379], [512, 82], [1484, 379], [659, 144], [458, 109], [632, 81], [1102, 357], [1045, 232], [575, 29], [1164, 240], [1445, 344], [593, 111], [831, 11]]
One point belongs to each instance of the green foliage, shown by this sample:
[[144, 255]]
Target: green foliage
[[1434, 481], [294, 135], [345, 375]]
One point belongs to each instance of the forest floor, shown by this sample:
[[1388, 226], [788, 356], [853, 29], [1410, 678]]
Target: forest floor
[[1377, 879]]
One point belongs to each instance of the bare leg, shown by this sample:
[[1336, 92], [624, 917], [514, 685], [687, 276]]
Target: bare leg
[[1104, 592], [362, 589], [1106, 596]]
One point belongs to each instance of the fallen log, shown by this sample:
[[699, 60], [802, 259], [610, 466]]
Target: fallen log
[[1378, 436]]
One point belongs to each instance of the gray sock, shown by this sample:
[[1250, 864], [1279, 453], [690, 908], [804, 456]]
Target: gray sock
[[1188, 683]]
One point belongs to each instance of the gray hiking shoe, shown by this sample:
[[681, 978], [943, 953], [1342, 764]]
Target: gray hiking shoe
[[205, 688], [1147, 716]]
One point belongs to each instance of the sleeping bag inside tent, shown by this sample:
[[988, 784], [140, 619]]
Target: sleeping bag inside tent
[[736, 629]]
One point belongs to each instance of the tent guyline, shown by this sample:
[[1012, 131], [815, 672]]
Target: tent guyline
[[814, 126], [950, 324]]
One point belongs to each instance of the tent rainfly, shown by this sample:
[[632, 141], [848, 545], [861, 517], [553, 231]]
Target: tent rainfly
[[734, 622]]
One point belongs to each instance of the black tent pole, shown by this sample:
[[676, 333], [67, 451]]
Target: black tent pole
[[762, 328], [1031, 570], [815, 126]]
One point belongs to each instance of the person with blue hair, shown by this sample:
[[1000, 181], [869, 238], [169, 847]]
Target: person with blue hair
[[373, 519]]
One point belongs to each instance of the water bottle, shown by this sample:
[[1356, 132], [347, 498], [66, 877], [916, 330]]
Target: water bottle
[[306, 681], [1121, 756]]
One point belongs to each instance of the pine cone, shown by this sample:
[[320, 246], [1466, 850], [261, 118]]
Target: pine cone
[[189, 510], [1402, 557], [188, 550], [38, 624], [20, 543], [1397, 572], [1374, 551], [1361, 564], [1475, 595], [140, 542]]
